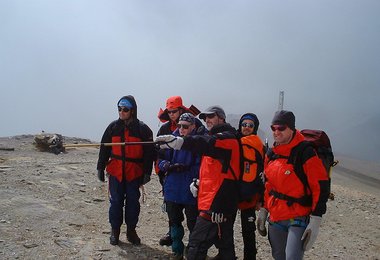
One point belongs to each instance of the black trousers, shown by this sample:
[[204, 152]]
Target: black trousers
[[248, 220], [176, 216], [206, 234]]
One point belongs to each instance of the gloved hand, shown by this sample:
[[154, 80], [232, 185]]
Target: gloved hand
[[311, 232], [164, 165], [101, 175], [194, 187], [169, 141], [145, 179], [177, 167], [261, 219]]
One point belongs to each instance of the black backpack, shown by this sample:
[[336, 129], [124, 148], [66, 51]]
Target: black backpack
[[320, 142]]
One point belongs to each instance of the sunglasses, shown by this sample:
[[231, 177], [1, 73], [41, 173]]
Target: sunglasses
[[124, 109], [250, 125], [173, 111], [183, 126], [211, 115], [279, 128]]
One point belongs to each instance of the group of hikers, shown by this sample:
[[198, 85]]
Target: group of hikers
[[200, 167]]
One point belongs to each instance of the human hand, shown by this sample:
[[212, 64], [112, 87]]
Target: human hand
[[145, 179], [261, 219], [169, 141], [164, 165], [311, 232], [101, 175], [194, 187]]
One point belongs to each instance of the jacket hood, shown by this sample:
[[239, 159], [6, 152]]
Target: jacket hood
[[132, 100], [252, 117]]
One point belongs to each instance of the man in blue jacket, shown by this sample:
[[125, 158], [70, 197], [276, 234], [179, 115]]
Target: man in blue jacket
[[181, 168]]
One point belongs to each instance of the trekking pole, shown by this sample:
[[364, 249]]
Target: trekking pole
[[110, 144]]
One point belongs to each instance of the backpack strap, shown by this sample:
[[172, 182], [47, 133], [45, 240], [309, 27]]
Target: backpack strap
[[305, 200], [297, 158], [238, 176]]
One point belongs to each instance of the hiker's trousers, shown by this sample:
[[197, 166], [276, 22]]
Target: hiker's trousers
[[285, 240], [248, 226], [124, 194], [176, 216], [206, 234]]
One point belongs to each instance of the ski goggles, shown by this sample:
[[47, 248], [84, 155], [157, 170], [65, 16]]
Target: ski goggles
[[250, 125], [124, 109], [184, 126], [278, 127]]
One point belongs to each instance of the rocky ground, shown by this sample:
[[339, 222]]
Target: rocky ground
[[53, 207]]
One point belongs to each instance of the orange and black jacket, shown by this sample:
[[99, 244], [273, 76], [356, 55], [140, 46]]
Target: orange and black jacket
[[129, 162], [219, 170], [281, 179], [255, 142]]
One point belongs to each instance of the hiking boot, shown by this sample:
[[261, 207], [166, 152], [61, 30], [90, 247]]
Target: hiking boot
[[114, 238], [176, 257], [217, 257], [133, 237], [166, 240]]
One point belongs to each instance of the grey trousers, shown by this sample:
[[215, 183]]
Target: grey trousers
[[285, 240]]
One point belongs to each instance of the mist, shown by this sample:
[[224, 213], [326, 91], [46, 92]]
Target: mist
[[65, 64]]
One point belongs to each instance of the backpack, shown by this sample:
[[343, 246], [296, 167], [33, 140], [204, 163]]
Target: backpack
[[322, 145], [320, 142], [251, 167], [46, 142]]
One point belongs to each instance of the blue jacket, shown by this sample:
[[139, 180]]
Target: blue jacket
[[184, 167]]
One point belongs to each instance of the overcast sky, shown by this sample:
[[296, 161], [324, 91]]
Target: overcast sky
[[64, 64]]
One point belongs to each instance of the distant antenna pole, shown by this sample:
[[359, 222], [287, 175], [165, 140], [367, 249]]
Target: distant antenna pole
[[281, 101]]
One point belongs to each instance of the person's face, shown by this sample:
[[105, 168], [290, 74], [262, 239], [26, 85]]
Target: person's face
[[174, 114], [124, 113], [282, 134], [247, 127], [185, 128], [212, 120]]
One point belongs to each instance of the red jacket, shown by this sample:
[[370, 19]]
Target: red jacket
[[280, 177]]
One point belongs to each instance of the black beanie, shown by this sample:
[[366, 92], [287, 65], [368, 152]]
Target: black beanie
[[284, 117]]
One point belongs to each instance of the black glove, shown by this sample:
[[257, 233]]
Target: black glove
[[145, 179], [101, 175], [177, 167]]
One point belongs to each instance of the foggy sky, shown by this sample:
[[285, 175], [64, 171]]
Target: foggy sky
[[64, 64]]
